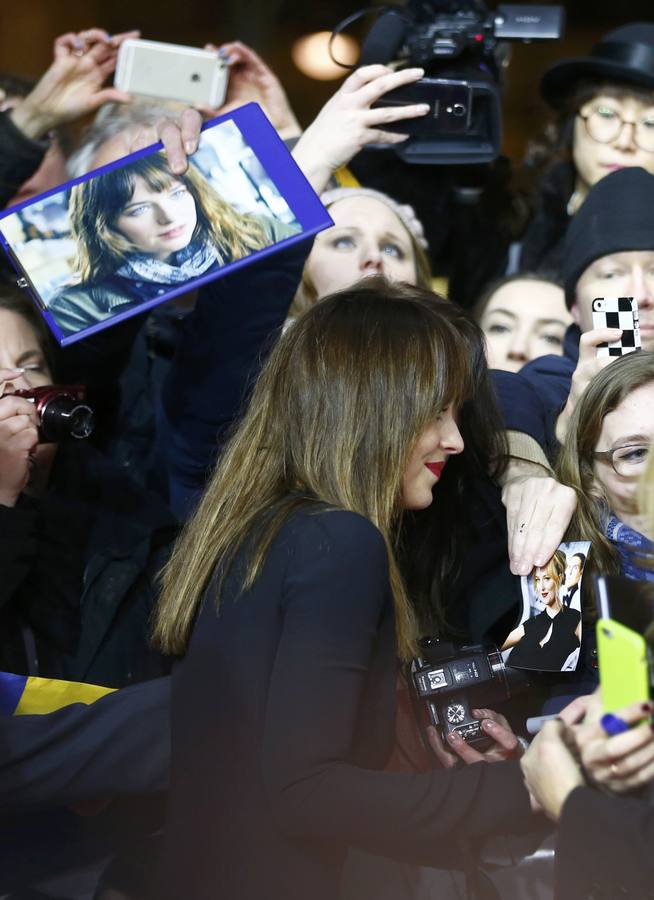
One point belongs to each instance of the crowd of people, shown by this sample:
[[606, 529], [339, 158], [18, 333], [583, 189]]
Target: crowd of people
[[300, 471]]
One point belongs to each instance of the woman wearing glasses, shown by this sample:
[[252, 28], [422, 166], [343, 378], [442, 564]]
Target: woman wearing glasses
[[605, 107], [604, 455]]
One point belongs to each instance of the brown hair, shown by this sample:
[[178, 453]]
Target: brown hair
[[96, 204], [333, 418]]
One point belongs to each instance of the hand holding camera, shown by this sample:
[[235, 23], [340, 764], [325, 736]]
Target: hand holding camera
[[448, 679], [45, 414], [18, 439], [503, 742]]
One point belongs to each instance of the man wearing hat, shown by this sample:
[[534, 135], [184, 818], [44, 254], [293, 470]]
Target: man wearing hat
[[605, 104], [608, 252]]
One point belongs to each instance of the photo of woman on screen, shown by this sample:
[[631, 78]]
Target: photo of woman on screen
[[142, 231]]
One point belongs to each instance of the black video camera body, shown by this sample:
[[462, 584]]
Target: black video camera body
[[458, 43], [453, 679], [61, 411]]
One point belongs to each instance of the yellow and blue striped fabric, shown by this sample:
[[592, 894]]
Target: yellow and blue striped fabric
[[22, 695]]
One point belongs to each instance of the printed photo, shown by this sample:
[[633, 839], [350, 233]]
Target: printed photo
[[548, 637], [135, 234]]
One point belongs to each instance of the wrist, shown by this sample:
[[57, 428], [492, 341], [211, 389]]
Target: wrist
[[315, 170], [289, 131], [31, 121]]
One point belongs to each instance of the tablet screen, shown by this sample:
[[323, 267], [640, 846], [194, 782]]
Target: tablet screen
[[126, 237]]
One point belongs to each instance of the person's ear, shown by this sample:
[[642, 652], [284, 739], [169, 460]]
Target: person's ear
[[575, 312]]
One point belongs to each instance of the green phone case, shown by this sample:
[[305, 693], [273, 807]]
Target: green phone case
[[623, 665]]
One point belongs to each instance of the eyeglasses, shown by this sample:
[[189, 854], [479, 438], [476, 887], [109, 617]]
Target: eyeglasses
[[604, 124], [627, 461]]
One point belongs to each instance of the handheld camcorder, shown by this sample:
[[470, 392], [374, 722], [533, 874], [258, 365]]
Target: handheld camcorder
[[61, 411], [452, 680], [460, 44]]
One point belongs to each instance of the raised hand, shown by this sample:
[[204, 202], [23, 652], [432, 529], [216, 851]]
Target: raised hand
[[347, 123], [588, 366], [538, 512], [251, 80], [73, 86]]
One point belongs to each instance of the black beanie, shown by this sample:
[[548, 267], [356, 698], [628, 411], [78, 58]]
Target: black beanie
[[617, 216]]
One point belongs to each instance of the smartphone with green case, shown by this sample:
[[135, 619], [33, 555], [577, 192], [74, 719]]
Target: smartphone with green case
[[623, 655]]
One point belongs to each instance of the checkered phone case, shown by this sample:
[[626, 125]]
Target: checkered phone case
[[617, 312]]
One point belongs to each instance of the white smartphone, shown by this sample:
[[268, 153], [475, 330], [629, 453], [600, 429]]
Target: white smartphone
[[171, 71], [617, 312]]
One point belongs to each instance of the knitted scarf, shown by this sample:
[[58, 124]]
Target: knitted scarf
[[191, 262], [633, 547]]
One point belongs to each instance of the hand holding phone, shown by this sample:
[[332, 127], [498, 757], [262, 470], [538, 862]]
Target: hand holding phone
[[617, 312], [622, 651], [623, 664]]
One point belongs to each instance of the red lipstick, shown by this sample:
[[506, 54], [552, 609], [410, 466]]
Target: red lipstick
[[436, 468]]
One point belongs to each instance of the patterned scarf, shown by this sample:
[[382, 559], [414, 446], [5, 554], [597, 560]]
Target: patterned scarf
[[191, 262], [633, 547]]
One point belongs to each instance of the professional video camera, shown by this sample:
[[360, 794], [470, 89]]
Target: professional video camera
[[61, 411], [453, 679], [460, 45]]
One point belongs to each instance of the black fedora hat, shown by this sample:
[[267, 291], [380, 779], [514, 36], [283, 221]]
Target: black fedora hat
[[623, 56]]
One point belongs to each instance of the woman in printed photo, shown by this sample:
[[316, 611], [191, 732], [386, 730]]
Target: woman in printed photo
[[546, 641], [142, 231]]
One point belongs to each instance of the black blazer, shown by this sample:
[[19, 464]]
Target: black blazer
[[604, 848], [282, 717]]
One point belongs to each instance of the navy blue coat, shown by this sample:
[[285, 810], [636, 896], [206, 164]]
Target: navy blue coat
[[551, 378], [219, 356]]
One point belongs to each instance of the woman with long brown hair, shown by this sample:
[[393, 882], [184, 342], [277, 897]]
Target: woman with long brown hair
[[287, 598], [141, 231]]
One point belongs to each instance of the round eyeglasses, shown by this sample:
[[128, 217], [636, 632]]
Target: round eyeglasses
[[628, 461], [604, 124]]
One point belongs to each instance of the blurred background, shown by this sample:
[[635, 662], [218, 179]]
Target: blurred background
[[274, 27]]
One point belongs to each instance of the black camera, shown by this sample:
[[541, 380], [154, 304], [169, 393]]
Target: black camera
[[460, 45], [61, 411], [452, 679]]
